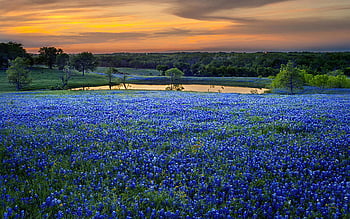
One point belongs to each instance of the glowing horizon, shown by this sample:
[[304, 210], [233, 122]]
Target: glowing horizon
[[108, 26]]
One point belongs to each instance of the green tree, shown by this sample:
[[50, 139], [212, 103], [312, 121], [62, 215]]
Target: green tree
[[184, 67], [175, 74], [84, 62], [18, 73], [320, 81], [339, 81], [162, 69], [62, 60], [307, 78], [289, 78], [10, 51], [48, 55]]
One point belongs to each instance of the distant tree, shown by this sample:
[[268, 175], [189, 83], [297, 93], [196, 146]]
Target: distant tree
[[184, 67], [339, 81], [162, 69], [289, 78], [48, 55], [110, 71], [62, 60], [84, 62], [174, 74], [347, 71], [336, 73], [18, 73], [10, 51], [334, 79]]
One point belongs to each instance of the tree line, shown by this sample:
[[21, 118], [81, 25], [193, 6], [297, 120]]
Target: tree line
[[50, 56], [16, 61], [204, 64]]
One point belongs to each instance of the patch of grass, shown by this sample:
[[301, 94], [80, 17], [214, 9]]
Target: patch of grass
[[4, 84], [43, 78]]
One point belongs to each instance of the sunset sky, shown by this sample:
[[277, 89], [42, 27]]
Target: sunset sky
[[106, 26]]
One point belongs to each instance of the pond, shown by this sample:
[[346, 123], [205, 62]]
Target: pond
[[187, 87]]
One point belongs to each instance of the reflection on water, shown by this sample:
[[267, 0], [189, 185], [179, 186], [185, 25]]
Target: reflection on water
[[187, 87]]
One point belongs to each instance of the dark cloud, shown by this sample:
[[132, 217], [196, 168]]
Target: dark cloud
[[270, 27], [291, 26], [36, 40], [282, 47], [203, 9], [185, 32], [57, 4], [194, 9]]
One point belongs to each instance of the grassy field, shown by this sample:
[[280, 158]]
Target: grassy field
[[43, 78], [167, 154]]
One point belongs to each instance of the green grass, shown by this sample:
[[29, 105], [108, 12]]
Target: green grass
[[43, 78]]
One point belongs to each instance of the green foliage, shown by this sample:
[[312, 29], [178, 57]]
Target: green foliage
[[320, 81], [184, 67], [307, 78], [62, 60], [339, 81], [84, 62], [336, 72], [289, 78], [18, 73], [48, 55], [162, 69], [334, 79], [10, 51], [232, 64], [174, 74]]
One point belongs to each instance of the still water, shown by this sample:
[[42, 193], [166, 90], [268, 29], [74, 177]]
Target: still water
[[187, 87]]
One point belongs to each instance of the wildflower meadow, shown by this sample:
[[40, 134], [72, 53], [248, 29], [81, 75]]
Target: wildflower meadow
[[159, 154]]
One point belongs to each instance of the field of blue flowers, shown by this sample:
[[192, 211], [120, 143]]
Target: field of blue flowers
[[158, 154]]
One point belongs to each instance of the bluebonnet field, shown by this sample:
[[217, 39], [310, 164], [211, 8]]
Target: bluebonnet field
[[144, 154]]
